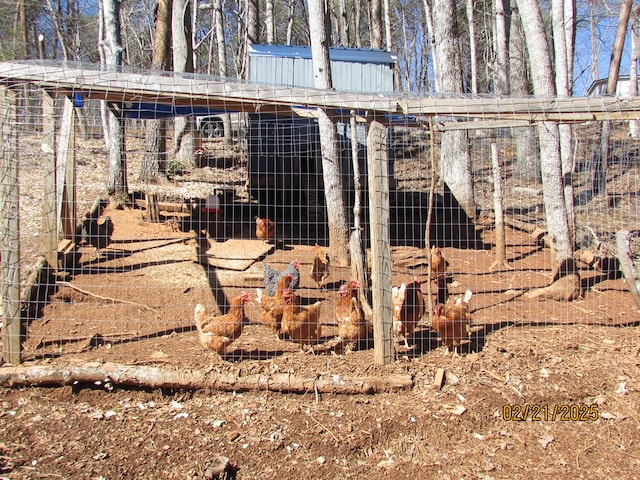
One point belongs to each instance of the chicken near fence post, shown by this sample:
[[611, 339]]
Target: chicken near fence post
[[301, 322], [272, 276], [265, 229], [408, 308], [352, 324], [439, 266], [216, 333], [272, 308], [452, 321], [320, 266]]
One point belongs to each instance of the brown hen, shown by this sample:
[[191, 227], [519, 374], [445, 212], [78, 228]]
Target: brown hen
[[452, 321], [301, 322], [408, 308], [218, 332], [352, 324], [271, 308], [320, 266]]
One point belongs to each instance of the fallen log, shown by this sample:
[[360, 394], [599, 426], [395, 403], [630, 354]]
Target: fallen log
[[194, 379]]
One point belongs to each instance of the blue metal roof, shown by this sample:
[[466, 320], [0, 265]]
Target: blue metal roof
[[360, 55]]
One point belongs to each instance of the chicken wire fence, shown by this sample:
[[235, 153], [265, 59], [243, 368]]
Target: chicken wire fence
[[126, 279]]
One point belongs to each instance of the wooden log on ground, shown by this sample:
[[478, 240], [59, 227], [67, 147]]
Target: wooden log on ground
[[193, 379]]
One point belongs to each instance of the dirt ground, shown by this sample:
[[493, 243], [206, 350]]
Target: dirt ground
[[571, 369]]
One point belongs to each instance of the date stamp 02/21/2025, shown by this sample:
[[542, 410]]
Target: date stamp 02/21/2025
[[542, 413]]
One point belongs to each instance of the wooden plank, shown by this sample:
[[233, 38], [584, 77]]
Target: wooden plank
[[378, 178], [234, 254], [65, 174], [233, 95], [49, 195], [10, 303]]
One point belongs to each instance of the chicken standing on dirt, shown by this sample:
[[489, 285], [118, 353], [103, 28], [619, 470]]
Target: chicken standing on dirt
[[352, 324], [438, 273], [408, 308], [301, 322], [452, 321], [272, 308], [320, 266], [216, 333], [265, 229], [273, 276]]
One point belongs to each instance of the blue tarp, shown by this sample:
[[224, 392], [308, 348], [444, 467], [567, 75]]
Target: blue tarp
[[154, 111]]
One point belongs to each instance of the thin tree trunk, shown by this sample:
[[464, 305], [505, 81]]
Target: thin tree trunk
[[154, 162], [634, 125], [527, 164], [473, 56], [270, 22], [333, 188], [112, 113], [562, 34], [454, 161], [184, 138], [502, 50], [599, 183], [551, 162], [376, 24], [501, 246], [428, 17]]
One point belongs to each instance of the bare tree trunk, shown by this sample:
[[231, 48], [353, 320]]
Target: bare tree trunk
[[290, 19], [473, 60], [222, 62], [376, 24], [527, 165], [428, 17], [342, 23], [551, 162], [270, 22], [634, 125], [253, 21], [154, 162], [114, 126], [562, 34], [599, 183], [455, 162], [333, 188], [501, 248], [184, 136], [502, 49]]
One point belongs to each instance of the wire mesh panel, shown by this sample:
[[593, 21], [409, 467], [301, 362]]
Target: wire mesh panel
[[228, 250]]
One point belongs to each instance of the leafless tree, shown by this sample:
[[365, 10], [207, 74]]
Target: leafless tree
[[112, 114], [455, 163], [184, 134], [527, 165], [154, 162], [333, 188], [551, 163]]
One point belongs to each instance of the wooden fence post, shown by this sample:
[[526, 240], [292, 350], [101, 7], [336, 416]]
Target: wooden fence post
[[9, 225], [378, 178], [49, 195]]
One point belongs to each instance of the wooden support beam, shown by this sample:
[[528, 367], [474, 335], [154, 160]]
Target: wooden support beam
[[9, 229], [378, 178], [66, 174], [49, 194]]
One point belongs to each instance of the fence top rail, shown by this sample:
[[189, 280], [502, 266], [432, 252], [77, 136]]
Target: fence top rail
[[128, 85]]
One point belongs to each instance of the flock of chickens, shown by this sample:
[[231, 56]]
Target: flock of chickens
[[282, 311]]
